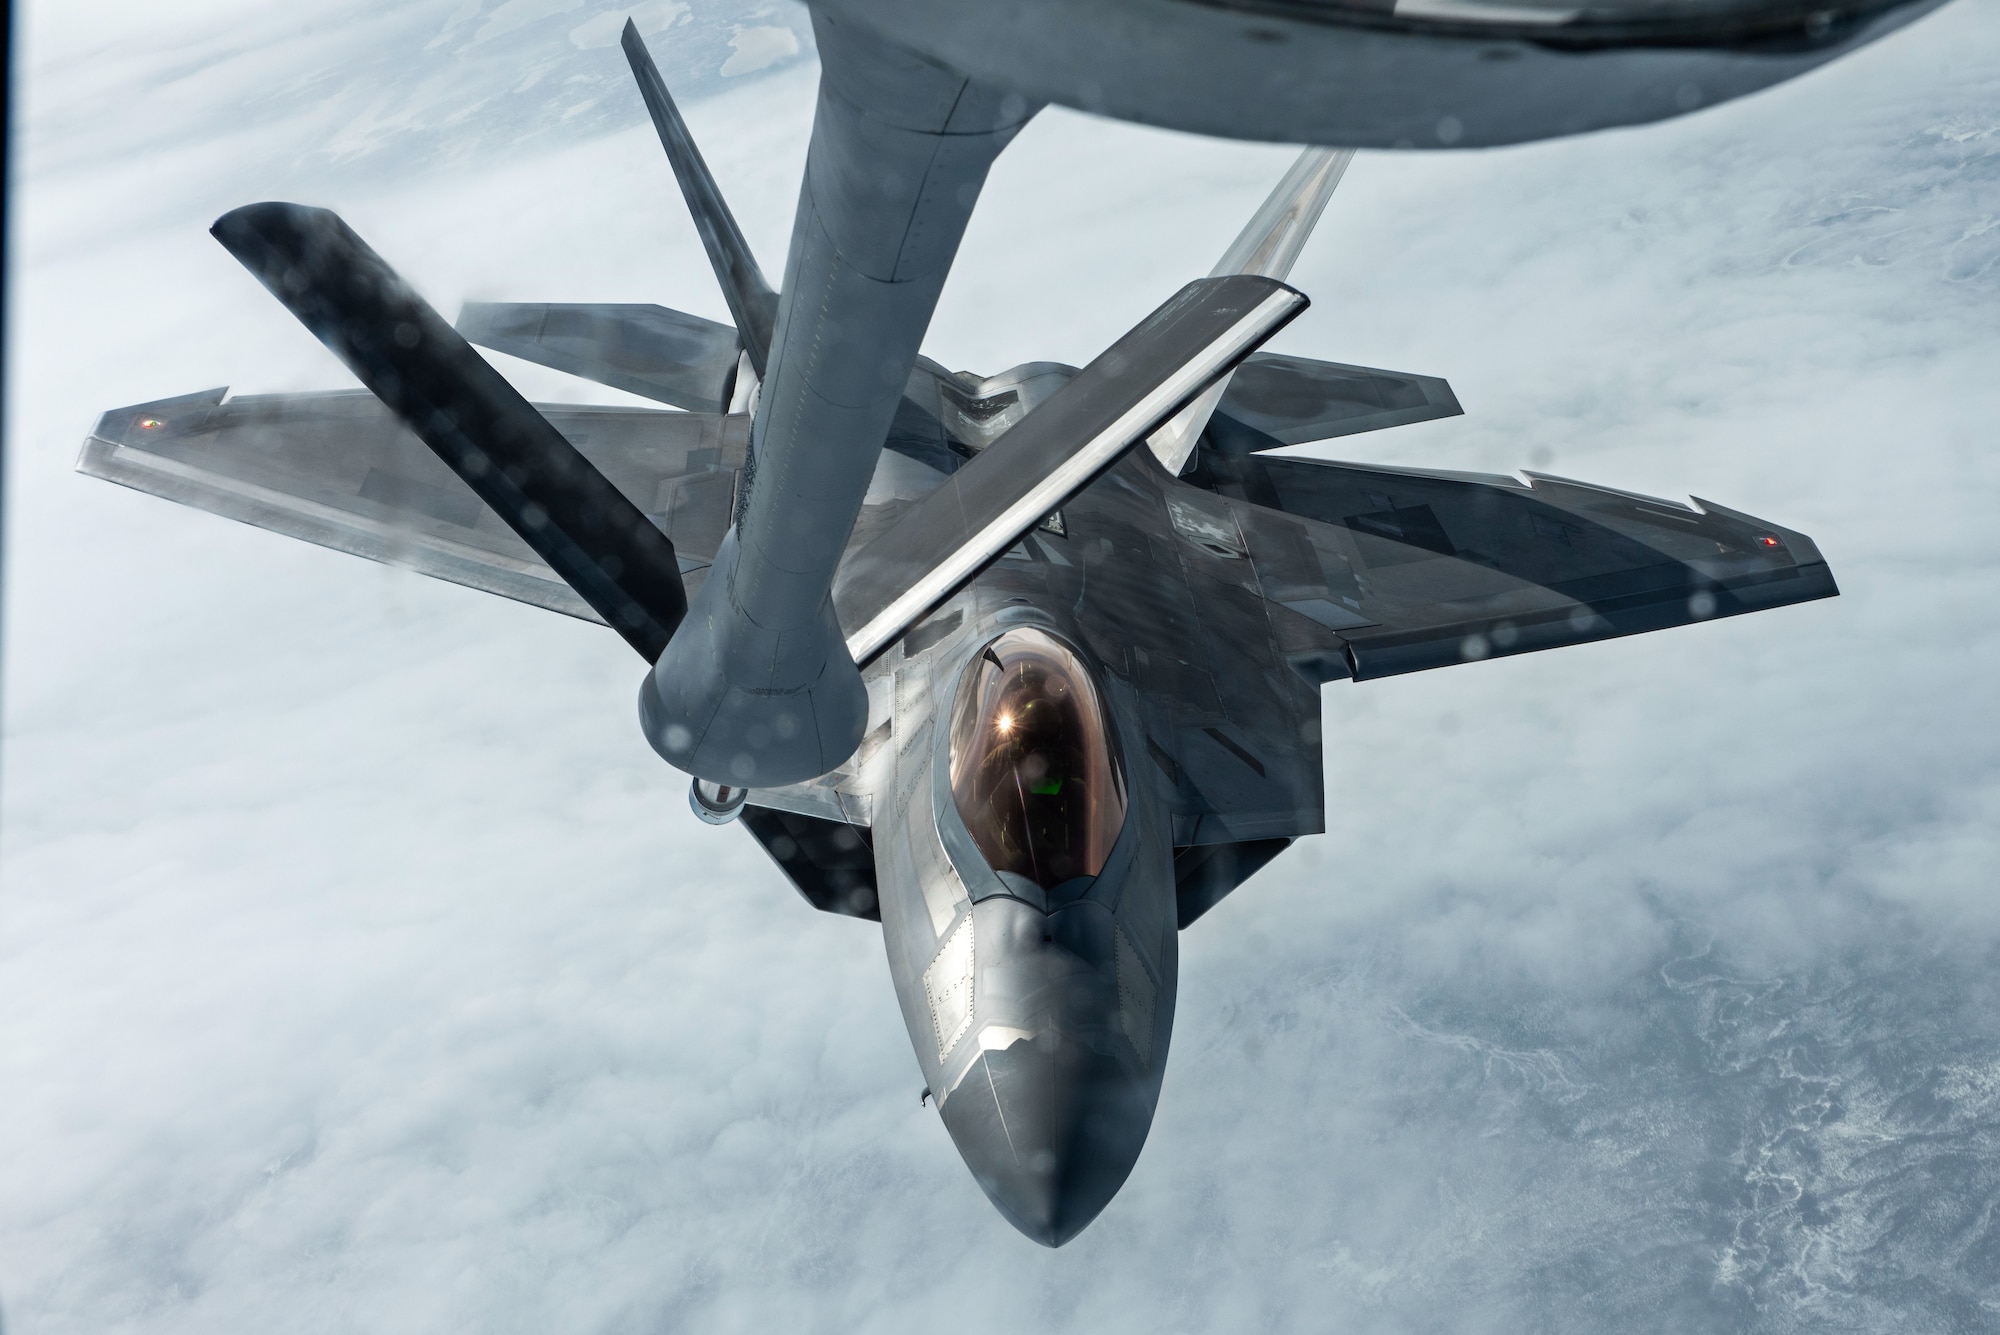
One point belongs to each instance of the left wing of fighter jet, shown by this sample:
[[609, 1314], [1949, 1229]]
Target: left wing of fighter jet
[[340, 470]]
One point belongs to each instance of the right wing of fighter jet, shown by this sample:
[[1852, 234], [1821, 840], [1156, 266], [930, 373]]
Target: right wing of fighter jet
[[339, 470], [1362, 572], [1411, 569]]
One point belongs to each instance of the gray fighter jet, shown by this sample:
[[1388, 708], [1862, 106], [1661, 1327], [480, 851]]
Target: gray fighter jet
[[1026, 667]]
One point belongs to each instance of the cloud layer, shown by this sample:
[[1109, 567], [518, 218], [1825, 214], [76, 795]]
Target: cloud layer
[[361, 968]]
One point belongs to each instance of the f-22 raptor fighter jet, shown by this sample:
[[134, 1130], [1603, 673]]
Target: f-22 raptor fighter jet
[[1026, 667]]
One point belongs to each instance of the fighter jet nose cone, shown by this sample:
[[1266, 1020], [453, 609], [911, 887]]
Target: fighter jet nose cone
[[1042, 1212], [1050, 1131]]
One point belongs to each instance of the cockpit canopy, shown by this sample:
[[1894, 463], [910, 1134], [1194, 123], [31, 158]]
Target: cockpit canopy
[[1034, 768]]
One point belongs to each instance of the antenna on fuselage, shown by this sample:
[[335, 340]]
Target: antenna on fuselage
[[753, 305], [1267, 246]]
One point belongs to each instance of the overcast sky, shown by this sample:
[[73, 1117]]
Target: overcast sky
[[361, 968]]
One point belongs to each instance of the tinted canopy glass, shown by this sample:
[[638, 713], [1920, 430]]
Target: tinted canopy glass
[[1034, 770]]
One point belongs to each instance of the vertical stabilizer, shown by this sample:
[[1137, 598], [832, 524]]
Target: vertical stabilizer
[[752, 303], [1270, 243], [1267, 247]]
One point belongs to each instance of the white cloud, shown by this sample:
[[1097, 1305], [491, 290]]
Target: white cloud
[[515, 14], [759, 49], [652, 17]]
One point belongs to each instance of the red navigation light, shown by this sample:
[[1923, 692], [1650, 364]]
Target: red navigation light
[[150, 424], [1768, 541]]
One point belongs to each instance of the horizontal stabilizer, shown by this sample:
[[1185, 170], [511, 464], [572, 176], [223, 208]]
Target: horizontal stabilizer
[[339, 470], [657, 353], [1293, 400], [1056, 450]]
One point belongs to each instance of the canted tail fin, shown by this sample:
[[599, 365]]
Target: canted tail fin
[[1267, 248], [753, 305]]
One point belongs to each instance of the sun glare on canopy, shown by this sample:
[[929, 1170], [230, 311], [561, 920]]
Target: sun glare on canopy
[[1034, 770]]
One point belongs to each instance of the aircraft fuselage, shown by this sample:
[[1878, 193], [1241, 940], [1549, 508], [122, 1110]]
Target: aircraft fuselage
[[1025, 875]]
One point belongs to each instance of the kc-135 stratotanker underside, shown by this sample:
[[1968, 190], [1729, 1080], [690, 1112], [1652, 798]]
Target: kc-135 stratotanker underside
[[1026, 667]]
